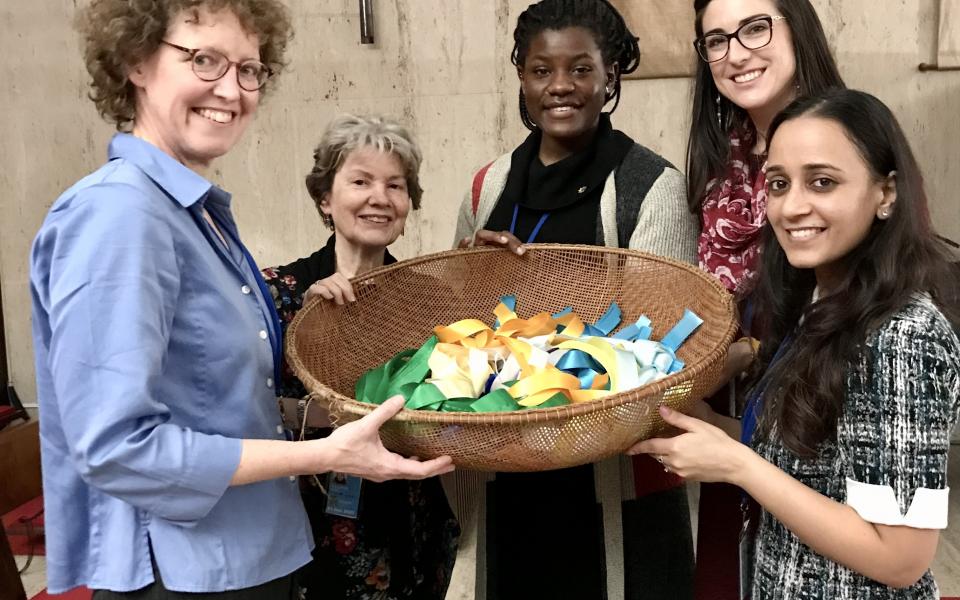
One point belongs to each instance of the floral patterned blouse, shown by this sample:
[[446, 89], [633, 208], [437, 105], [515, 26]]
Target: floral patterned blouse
[[403, 543]]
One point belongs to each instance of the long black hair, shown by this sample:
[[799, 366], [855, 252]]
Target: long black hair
[[899, 257], [617, 44], [708, 147]]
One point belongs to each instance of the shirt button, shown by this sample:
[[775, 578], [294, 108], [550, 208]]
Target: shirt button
[[269, 382], [245, 289], [263, 334], [279, 428], [293, 478]]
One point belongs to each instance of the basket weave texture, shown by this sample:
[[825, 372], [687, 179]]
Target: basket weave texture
[[329, 347]]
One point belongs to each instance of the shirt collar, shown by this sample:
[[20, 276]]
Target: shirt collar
[[184, 185]]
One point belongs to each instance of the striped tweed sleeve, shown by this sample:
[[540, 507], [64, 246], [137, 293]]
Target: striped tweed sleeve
[[902, 404]]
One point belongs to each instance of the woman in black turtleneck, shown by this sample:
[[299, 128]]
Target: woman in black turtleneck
[[575, 179]]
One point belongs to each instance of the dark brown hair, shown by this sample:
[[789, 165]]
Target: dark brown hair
[[899, 257], [708, 146]]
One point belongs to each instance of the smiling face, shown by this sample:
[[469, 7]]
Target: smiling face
[[565, 85], [192, 120], [759, 81], [822, 196], [368, 201]]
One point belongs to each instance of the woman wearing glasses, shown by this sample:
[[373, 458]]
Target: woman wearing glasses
[[165, 465], [756, 56]]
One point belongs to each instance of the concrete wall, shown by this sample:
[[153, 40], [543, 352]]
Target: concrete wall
[[442, 67]]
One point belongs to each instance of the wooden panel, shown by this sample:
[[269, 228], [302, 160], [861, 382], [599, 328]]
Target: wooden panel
[[666, 32], [19, 464]]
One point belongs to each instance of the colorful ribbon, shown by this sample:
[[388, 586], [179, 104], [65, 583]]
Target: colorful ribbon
[[546, 360]]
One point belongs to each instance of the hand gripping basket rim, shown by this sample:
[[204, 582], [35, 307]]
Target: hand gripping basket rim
[[337, 402]]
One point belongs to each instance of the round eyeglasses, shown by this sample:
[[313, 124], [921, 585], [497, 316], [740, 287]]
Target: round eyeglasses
[[210, 65], [752, 35]]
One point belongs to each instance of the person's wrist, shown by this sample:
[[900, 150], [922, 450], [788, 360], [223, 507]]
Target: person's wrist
[[311, 457], [741, 464]]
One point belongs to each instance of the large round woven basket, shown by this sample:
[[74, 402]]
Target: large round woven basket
[[330, 346]]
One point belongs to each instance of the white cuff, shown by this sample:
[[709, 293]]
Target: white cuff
[[878, 504]]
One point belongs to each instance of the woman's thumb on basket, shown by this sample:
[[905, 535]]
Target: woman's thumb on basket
[[678, 419], [386, 411]]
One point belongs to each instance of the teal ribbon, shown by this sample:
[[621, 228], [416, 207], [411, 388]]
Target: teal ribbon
[[405, 373]]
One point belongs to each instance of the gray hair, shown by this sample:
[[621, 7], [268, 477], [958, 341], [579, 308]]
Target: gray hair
[[348, 133]]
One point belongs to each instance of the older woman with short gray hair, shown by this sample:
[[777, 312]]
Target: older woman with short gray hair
[[402, 539]]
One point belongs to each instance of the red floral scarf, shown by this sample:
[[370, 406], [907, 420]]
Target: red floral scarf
[[733, 215]]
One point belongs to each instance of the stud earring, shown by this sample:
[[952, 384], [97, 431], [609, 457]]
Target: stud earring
[[884, 212]]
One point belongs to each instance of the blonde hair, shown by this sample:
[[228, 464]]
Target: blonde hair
[[347, 133]]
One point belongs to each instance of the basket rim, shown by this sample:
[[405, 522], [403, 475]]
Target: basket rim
[[340, 402]]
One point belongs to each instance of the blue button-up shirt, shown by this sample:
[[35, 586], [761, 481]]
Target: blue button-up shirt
[[155, 357]]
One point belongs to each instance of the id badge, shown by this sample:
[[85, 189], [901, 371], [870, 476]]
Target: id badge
[[343, 495], [746, 559]]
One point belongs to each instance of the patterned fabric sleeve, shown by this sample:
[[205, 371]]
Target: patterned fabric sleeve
[[902, 404]]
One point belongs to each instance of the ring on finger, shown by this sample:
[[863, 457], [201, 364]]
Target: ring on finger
[[659, 458]]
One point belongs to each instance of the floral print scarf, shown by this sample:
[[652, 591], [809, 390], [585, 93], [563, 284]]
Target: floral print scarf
[[733, 215]]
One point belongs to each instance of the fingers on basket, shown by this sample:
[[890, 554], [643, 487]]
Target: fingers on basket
[[680, 420], [410, 468], [506, 239], [655, 446], [336, 288]]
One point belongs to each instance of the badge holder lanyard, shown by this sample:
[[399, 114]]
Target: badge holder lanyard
[[536, 229], [748, 507], [276, 331]]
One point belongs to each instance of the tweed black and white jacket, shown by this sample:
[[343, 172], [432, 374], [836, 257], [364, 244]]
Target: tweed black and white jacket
[[888, 460]]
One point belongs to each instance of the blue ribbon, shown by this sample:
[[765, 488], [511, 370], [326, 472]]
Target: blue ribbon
[[682, 330]]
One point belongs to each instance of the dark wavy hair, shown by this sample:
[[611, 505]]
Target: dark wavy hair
[[617, 44], [900, 256], [118, 34], [708, 146]]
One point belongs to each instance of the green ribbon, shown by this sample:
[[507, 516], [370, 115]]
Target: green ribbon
[[401, 375]]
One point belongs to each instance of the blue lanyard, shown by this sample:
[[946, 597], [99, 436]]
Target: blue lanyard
[[276, 331], [536, 229], [748, 424]]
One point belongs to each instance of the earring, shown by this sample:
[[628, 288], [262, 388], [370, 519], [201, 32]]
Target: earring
[[884, 212], [719, 118]]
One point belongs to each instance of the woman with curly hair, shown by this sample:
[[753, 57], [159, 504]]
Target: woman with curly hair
[[166, 467]]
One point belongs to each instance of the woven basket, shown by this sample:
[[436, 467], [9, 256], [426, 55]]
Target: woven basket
[[330, 346]]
